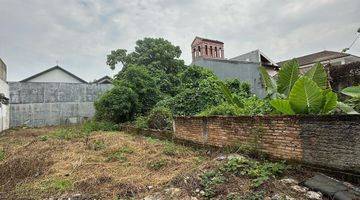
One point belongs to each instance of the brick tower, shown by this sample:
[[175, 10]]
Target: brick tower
[[206, 48]]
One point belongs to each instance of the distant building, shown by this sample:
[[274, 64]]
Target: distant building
[[210, 54], [104, 80], [55, 74], [324, 57]]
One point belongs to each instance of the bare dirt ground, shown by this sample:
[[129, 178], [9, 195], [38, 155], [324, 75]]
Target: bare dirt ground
[[57, 163]]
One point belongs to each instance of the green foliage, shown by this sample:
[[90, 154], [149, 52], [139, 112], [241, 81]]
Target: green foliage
[[229, 97], [222, 109], [43, 138], [157, 164], [97, 145], [2, 154], [160, 118], [68, 133], [297, 94], [259, 172], [282, 105], [251, 106], [306, 97], [256, 195], [141, 122], [139, 79], [154, 53], [59, 185], [171, 149], [209, 180], [93, 125], [268, 81], [318, 74], [199, 90], [241, 89], [120, 154], [288, 75], [119, 104], [351, 105], [353, 92]]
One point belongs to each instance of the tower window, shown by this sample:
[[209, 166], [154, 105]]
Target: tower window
[[206, 50], [216, 54], [211, 50]]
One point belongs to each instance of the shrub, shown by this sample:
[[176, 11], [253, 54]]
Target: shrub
[[160, 118], [119, 104], [141, 122], [222, 109]]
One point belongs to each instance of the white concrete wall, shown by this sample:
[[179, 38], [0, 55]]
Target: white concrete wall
[[55, 75], [4, 109]]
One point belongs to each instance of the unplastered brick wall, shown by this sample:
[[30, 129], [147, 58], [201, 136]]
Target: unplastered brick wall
[[332, 141]]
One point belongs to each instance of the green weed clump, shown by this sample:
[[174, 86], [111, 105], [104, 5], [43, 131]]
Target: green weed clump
[[43, 138], [93, 125], [59, 185], [68, 133], [120, 154], [2, 154], [157, 164], [97, 145], [258, 172]]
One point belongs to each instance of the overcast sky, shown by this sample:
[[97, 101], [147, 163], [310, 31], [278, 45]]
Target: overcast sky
[[78, 34]]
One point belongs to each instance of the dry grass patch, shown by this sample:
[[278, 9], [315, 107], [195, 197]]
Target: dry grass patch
[[50, 162]]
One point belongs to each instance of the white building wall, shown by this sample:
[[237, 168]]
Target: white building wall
[[55, 75], [4, 109]]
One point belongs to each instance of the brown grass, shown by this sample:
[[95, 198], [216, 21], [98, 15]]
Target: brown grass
[[31, 165]]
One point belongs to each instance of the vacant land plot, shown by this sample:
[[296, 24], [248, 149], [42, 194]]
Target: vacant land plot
[[63, 162], [49, 162]]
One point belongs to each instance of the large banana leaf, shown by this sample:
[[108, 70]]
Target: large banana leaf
[[288, 75], [352, 91], [306, 97], [282, 106], [330, 102], [346, 108], [267, 80], [318, 74]]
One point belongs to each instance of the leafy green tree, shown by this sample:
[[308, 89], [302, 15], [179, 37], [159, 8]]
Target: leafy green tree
[[154, 53], [158, 56], [143, 84], [199, 89], [120, 104]]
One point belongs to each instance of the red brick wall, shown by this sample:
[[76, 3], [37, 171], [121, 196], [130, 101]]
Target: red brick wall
[[312, 139]]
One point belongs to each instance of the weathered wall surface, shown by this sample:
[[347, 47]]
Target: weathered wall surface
[[43, 104], [331, 141], [4, 89], [230, 69], [4, 109]]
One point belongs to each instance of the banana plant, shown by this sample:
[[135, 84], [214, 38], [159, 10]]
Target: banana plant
[[292, 93]]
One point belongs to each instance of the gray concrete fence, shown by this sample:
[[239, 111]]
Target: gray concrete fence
[[45, 104]]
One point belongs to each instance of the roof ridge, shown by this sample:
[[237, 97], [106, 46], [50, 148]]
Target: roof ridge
[[52, 68]]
